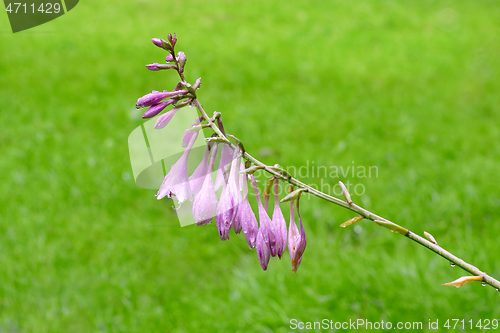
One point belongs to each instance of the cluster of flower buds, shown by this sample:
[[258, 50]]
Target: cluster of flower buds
[[231, 209]]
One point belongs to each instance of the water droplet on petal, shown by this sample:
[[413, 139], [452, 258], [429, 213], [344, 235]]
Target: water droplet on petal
[[483, 284], [154, 91], [452, 264], [137, 107], [498, 289]]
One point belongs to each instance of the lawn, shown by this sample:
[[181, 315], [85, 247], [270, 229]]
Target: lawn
[[411, 88]]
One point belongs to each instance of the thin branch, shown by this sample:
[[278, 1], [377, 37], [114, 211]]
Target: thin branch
[[454, 260]]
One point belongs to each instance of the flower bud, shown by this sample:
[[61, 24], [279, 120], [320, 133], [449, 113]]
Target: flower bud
[[153, 67], [164, 119], [181, 58], [169, 58], [197, 83], [172, 39], [156, 97], [345, 192], [155, 109], [159, 42]]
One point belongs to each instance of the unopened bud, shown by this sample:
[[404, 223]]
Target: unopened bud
[[252, 169], [392, 227], [197, 83], [267, 188], [169, 58], [430, 237], [294, 195], [345, 192], [159, 42], [172, 39], [181, 58], [156, 66]]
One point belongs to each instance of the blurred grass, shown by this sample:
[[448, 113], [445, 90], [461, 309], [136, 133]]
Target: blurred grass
[[410, 88]]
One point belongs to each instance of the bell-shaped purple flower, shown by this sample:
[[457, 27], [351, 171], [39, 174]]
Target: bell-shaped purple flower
[[197, 179], [296, 239], [279, 223], [247, 218], [188, 134], [176, 181], [227, 208], [234, 188], [262, 250], [265, 226], [205, 202], [225, 160]]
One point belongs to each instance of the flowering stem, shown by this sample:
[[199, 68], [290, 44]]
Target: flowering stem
[[454, 260]]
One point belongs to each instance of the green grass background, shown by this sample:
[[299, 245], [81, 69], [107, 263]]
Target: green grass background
[[410, 87]]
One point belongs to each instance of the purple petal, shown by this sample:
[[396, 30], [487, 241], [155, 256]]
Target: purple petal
[[157, 96], [248, 221], [266, 228], [197, 179], [225, 213], [262, 250], [165, 118], [153, 67], [176, 181], [158, 42], [155, 109], [225, 159], [279, 223]]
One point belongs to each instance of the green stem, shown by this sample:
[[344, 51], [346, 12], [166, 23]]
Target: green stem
[[353, 207]]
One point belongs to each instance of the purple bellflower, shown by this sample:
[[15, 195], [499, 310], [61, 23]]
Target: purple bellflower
[[263, 236], [246, 217], [226, 210], [176, 181], [225, 159], [279, 223], [235, 189], [205, 202], [197, 179], [296, 239], [189, 134]]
